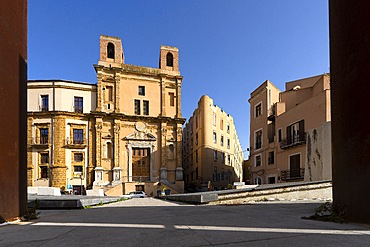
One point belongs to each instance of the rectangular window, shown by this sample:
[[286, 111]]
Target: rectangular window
[[196, 156], [44, 136], [214, 155], [295, 133], [44, 102], [214, 119], [172, 99], [137, 107], [44, 172], [77, 170], [221, 124], [222, 140], [258, 160], [229, 159], [228, 143], [44, 158], [196, 138], [79, 104], [78, 157], [258, 139], [228, 128], [271, 158], [258, 110], [78, 136], [141, 90], [214, 137], [271, 180], [280, 135], [109, 93], [223, 157], [146, 107]]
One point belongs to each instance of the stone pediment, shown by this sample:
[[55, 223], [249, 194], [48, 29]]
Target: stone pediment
[[142, 136]]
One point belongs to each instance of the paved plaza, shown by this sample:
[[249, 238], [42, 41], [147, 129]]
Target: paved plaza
[[153, 222]]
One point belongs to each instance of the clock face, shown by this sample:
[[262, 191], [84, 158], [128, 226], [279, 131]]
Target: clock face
[[140, 126]]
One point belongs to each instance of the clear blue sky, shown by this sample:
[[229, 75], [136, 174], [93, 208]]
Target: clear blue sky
[[227, 47]]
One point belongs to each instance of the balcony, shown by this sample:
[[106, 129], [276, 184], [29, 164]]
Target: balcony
[[271, 114], [294, 174], [78, 109], [295, 140], [40, 142], [76, 143]]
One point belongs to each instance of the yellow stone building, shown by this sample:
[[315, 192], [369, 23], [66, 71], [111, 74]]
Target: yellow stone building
[[58, 133], [122, 134]]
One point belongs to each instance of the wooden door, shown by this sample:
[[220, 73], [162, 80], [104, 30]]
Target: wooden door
[[295, 165], [140, 164]]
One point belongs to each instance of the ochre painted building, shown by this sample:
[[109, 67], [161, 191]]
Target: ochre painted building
[[212, 154], [137, 122], [290, 131]]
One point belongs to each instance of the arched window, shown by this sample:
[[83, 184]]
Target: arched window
[[110, 50], [169, 59]]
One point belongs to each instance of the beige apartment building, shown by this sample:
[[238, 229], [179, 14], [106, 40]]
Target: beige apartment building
[[58, 133], [290, 131], [212, 154], [122, 134]]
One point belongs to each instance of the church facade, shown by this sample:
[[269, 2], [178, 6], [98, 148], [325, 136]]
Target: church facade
[[137, 125]]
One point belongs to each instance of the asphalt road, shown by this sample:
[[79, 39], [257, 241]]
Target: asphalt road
[[153, 222]]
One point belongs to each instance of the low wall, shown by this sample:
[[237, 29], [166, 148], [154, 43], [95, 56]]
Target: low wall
[[281, 192], [303, 191], [44, 191]]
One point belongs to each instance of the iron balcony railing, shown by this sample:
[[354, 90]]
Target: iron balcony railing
[[75, 141], [295, 140], [78, 109], [293, 174], [42, 140]]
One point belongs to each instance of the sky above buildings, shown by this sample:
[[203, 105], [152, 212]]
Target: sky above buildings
[[227, 47]]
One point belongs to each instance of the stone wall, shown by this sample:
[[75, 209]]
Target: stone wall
[[318, 149]]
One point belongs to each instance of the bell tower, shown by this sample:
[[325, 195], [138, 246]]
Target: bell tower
[[111, 52], [169, 58]]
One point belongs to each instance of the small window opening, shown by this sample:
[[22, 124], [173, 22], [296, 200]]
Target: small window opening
[[169, 59], [110, 50]]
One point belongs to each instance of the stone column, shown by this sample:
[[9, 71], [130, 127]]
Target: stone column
[[117, 99], [99, 96], [350, 108], [163, 97], [163, 146], [116, 140], [98, 128], [178, 97]]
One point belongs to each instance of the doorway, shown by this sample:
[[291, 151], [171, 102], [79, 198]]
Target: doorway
[[140, 164]]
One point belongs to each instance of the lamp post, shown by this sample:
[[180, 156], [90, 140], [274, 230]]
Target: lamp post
[[81, 178]]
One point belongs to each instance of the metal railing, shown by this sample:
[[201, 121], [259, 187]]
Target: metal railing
[[293, 141], [75, 141], [78, 109], [42, 140], [292, 174]]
